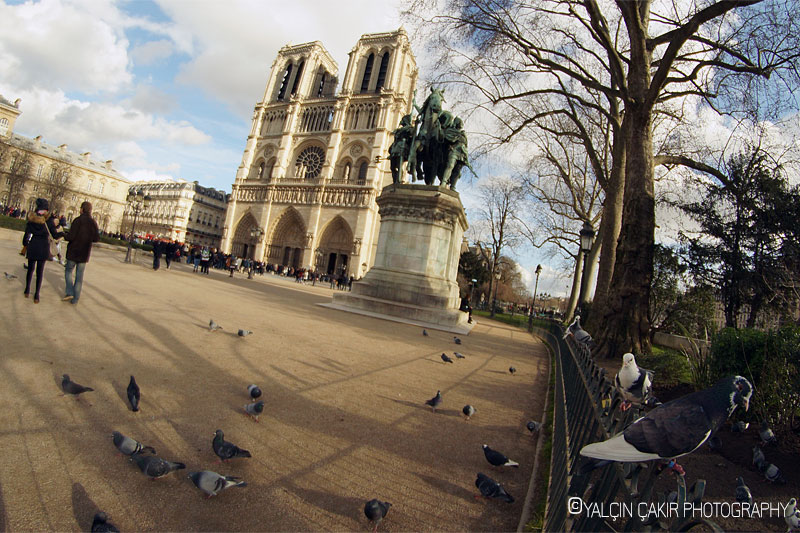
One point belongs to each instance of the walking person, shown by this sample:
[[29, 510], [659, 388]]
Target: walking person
[[158, 249], [169, 253], [38, 232], [82, 233]]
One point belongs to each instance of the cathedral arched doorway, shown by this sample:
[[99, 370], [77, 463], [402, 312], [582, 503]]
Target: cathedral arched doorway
[[243, 244], [335, 247], [287, 243]]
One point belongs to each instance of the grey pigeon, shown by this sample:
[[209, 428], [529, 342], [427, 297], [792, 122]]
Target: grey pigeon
[[456, 340], [226, 450], [512, 370], [243, 333], [496, 458], [633, 383], [459, 355], [533, 427], [436, 401], [578, 333], [766, 434], [133, 394], [468, 410], [70, 387], [254, 409], [793, 520], [100, 524], [758, 457], [211, 482], [213, 326], [155, 467], [424, 332], [376, 510], [772, 473], [739, 427], [129, 446], [446, 359], [743, 494], [9, 276], [491, 489], [254, 391]]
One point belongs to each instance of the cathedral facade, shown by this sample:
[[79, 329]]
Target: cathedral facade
[[315, 161]]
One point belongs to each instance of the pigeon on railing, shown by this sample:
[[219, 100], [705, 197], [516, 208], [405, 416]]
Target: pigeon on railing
[[632, 382], [578, 333]]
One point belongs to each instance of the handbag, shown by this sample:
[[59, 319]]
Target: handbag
[[53, 246]]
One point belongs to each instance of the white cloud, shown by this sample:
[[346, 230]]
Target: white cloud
[[149, 99], [152, 51]]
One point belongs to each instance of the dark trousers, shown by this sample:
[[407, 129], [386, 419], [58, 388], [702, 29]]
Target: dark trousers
[[156, 262], [39, 264], [167, 259]]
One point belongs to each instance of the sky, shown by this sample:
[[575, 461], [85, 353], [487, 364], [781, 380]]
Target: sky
[[166, 89]]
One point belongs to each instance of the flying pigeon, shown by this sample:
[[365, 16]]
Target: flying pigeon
[[226, 450], [376, 510], [254, 409], [254, 391], [243, 333], [758, 456], [766, 434], [211, 482], [70, 387], [436, 401], [512, 370], [100, 524], [133, 394], [793, 520], [742, 491], [578, 333], [533, 427], [772, 473], [459, 355], [213, 326], [496, 458], [129, 446], [468, 410], [446, 359], [632, 382], [491, 489], [9, 276], [155, 467], [740, 427], [424, 332], [456, 340], [677, 427]]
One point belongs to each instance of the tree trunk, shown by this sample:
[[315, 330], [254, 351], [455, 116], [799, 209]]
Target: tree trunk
[[576, 287], [610, 226]]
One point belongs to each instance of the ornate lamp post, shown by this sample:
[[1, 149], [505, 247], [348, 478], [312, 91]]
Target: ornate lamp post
[[494, 300], [533, 304], [138, 202], [255, 234], [587, 238]]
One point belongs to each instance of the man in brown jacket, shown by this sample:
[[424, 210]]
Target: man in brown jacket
[[82, 233]]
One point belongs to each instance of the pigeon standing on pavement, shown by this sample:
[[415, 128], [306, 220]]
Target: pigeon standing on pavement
[[533, 427], [9, 276], [743, 491], [155, 467], [436, 401], [492, 489], [578, 333], [100, 524], [677, 427], [766, 434], [70, 387], [133, 394], [212, 483], [129, 446], [254, 409], [424, 332], [244, 333], [632, 382], [468, 410], [213, 326], [254, 391], [459, 355], [226, 450], [772, 473], [456, 340], [758, 456], [376, 511], [496, 458], [512, 370], [446, 359]]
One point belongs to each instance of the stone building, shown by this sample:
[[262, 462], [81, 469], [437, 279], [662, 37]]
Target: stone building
[[314, 161], [31, 168], [179, 210]]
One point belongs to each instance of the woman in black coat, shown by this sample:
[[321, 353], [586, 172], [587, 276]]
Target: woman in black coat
[[38, 245]]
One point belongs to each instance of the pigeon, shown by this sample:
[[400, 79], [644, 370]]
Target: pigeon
[[456, 340], [446, 359], [243, 333], [739, 427], [758, 457], [436, 401], [254, 391], [772, 473], [742, 491], [226, 450], [468, 410], [793, 520], [578, 333], [459, 355], [424, 332], [376, 511], [766, 434], [677, 427], [129, 446], [70, 387], [496, 458], [632, 382], [9, 276], [512, 370], [133, 394], [155, 467], [213, 326], [254, 409], [533, 427], [791, 506], [211, 482], [100, 524], [491, 489]]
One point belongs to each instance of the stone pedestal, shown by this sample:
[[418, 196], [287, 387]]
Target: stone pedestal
[[414, 276]]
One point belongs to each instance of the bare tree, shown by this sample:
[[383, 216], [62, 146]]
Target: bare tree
[[17, 173], [56, 186]]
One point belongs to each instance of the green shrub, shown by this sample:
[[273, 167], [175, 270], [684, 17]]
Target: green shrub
[[12, 223], [738, 352], [119, 242], [669, 366]]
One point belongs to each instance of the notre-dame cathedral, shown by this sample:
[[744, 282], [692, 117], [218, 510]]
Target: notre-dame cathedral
[[315, 161]]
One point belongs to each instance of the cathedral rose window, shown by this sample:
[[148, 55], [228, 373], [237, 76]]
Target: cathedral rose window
[[309, 163]]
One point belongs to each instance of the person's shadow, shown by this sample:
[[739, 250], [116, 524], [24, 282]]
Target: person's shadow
[[83, 508]]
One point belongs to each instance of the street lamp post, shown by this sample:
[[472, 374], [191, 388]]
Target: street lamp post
[[494, 300], [533, 304], [138, 202], [255, 234], [587, 239]]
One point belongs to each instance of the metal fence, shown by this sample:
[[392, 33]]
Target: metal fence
[[586, 410]]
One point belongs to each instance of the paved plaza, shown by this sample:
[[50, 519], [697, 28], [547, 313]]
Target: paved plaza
[[344, 421]]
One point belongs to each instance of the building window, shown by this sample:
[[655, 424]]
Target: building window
[[297, 76], [35, 187], [309, 163], [102, 186], [285, 82], [89, 185], [382, 72], [3, 126], [367, 73], [53, 173], [346, 171], [362, 173], [39, 170]]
